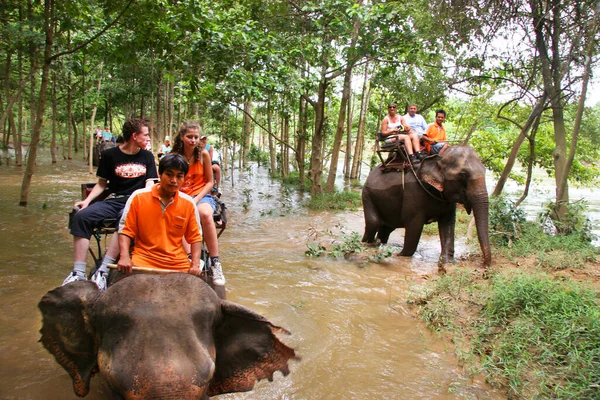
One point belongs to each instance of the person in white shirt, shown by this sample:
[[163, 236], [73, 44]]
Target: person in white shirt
[[415, 121]]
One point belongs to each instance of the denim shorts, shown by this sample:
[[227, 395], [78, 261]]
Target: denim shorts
[[436, 148], [208, 198]]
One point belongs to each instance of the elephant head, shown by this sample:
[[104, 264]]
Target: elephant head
[[460, 176], [152, 336]]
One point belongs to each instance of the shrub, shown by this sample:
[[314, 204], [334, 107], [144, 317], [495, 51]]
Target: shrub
[[506, 221], [574, 222], [336, 201]]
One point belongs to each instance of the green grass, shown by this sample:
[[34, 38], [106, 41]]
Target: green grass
[[338, 201], [538, 337], [542, 335], [553, 252]]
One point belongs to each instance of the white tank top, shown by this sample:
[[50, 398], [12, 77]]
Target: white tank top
[[394, 125]]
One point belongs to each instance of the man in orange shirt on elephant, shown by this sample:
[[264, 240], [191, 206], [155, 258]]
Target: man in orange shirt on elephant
[[436, 133], [158, 218]]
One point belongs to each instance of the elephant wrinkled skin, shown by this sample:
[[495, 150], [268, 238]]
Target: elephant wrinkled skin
[[159, 336], [396, 200]]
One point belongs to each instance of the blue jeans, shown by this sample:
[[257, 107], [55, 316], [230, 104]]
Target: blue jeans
[[86, 220]]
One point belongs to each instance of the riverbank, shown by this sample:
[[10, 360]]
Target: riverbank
[[529, 324]]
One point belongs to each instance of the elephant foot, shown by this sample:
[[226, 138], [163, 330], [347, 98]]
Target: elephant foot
[[371, 244], [406, 253]]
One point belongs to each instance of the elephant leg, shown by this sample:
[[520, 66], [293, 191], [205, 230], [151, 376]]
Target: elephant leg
[[372, 222], [384, 233], [446, 228], [412, 235]]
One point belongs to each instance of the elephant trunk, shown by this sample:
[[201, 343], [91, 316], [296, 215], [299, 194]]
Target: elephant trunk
[[480, 203]]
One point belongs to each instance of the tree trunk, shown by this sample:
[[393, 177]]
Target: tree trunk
[[301, 141], [272, 156], [360, 136], [510, 162], [348, 156], [35, 137], [69, 117], [159, 103], [346, 91], [530, 161], [92, 120], [169, 132], [285, 139], [339, 133], [13, 126], [54, 118], [246, 130], [83, 106], [315, 171]]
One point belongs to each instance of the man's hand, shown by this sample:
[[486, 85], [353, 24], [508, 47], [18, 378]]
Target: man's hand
[[81, 204], [195, 270], [125, 265]]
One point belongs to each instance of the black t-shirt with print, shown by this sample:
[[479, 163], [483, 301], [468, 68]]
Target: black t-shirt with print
[[126, 173]]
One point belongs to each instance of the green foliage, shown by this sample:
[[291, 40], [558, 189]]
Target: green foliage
[[247, 199], [552, 251], [574, 222], [336, 201], [505, 221], [534, 326], [314, 250], [383, 253], [513, 235], [258, 155], [536, 336], [293, 180], [350, 245]]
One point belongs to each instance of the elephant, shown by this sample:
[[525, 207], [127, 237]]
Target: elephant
[[98, 149], [159, 336], [398, 199]]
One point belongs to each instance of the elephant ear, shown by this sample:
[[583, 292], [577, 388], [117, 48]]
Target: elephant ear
[[66, 332], [431, 172], [247, 350]]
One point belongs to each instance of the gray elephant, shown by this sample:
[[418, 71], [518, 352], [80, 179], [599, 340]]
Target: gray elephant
[[155, 337], [98, 149], [397, 200]]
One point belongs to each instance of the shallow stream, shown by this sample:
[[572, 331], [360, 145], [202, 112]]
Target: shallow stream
[[350, 322]]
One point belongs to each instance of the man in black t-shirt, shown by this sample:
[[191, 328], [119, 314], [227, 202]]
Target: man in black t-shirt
[[123, 169]]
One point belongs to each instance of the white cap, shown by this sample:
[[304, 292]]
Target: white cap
[[167, 138]]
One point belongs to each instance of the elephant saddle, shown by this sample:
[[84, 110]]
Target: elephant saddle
[[395, 162]]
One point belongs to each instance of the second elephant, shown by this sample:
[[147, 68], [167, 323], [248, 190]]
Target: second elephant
[[398, 200]]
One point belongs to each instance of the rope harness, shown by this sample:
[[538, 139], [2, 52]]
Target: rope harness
[[392, 158]]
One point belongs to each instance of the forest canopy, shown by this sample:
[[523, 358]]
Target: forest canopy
[[306, 82]]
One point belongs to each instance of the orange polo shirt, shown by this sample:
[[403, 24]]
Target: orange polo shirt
[[435, 132], [158, 230], [194, 180]]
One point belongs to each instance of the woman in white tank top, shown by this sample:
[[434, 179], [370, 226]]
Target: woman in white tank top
[[394, 128]]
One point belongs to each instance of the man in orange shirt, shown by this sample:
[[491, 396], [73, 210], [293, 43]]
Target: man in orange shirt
[[436, 133], [158, 219]]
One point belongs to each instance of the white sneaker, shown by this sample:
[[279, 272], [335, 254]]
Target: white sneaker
[[74, 277], [99, 278], [217, 274]]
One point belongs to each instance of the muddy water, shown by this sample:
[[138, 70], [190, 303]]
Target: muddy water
[[351, 324]]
